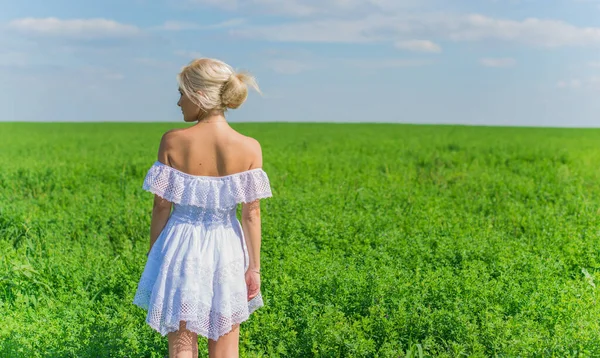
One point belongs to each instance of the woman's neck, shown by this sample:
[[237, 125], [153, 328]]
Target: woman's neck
[[212, 116]]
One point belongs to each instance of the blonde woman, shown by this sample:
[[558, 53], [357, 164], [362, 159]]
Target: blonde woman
[[202, 275]]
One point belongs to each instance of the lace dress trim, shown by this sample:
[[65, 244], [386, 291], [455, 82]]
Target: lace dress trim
[[206, 191]]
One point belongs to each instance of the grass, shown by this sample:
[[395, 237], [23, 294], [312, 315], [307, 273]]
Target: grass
[[381, 240]]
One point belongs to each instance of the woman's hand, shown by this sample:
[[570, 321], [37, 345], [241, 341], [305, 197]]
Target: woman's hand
[[252, 283]]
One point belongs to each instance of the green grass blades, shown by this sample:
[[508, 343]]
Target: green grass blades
[[381, 240]]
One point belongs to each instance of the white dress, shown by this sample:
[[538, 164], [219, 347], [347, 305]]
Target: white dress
[[195, 269]]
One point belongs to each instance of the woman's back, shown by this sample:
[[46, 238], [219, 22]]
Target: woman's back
[[211, 149]]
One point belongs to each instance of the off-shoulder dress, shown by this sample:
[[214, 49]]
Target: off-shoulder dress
[[195, 271]]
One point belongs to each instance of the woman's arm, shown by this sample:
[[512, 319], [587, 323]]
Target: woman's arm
[[251, 227], [251, 224], [160, 214], [161, 208]]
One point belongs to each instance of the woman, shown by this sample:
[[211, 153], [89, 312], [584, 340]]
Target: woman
[[203, 270]]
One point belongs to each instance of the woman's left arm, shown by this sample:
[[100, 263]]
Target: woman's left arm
[[161, 208]]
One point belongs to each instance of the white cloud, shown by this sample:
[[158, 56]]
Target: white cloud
[[531, 31], [498, 62], [595, 64], [179, 26], [573, 83], [227, 23], [187, 25], [223, 4], [289, 7], [460, 28], [75, 28], [299, 8], [592, 83], [344, 31], [418, 46], [383, 63], [340, 8], [355, 21]]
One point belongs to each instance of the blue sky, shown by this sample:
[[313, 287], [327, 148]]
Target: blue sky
[[485, 62]]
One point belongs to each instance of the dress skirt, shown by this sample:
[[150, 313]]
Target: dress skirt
[[196, 273]]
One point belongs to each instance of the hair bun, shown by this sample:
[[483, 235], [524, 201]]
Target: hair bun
[[235, 89], [213, 84]]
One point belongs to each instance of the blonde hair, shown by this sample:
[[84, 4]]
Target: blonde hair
[[219, 85]]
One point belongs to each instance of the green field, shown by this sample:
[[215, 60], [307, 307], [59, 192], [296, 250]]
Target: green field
[[466, 241]]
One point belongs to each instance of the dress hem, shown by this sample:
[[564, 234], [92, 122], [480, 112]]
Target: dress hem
[[253, 305]]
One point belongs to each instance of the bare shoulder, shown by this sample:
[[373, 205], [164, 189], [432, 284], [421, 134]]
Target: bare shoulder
[[254, 150], [173, 133], [167, 144]]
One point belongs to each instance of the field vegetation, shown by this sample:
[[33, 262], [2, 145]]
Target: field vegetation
[[381, 240]]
